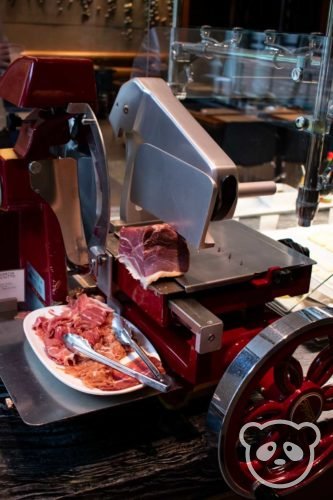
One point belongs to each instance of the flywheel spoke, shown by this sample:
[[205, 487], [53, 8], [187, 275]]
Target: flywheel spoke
[[321, 368], [288, 376], [265, 411], [327, 392]]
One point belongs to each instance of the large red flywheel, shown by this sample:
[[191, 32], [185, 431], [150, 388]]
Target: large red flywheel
[[272, 410]]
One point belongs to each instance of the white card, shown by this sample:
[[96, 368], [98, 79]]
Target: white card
[[12, 285]]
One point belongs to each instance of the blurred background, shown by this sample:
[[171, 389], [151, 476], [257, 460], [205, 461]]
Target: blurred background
[[245, 96]]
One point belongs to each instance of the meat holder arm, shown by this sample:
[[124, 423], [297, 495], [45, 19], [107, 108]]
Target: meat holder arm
[[174, 170]]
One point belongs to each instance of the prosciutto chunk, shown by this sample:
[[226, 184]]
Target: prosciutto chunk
[[84, 316], [153, 252]]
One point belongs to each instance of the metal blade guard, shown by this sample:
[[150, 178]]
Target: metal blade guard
[[174, 170]]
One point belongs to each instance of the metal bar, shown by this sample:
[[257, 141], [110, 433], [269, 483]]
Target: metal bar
[[204, 324], [308, 195], [216, 50], [78, 344]]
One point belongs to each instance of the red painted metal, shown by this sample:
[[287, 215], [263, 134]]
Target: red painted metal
[[321, 369], [267, 278], [37, 244], [149, 310], [16, 191], [34, 82], [9, 230], [48, 257], [156, 306], [225, 299], [175, 344], [286, 392], [41, 130]]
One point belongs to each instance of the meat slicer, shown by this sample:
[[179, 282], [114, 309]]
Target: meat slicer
[[212, 326]]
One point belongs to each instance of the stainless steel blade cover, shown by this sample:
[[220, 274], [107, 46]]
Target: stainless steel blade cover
[[174, 192]]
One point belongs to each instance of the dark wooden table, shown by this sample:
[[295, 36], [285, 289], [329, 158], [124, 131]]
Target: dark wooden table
[[141, 450]]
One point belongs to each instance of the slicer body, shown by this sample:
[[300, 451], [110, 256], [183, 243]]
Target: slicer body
[[177, 173], [213, 323], [40, 204], [210, 323]]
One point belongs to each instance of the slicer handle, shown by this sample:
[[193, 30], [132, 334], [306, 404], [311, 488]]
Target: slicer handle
[[261, 188]]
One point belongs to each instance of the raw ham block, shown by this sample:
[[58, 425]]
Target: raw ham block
[[153, 252]]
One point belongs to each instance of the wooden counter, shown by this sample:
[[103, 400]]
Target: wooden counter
[[137, 451], [93, 54]]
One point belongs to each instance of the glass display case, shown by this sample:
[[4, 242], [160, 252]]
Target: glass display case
[[265, 97], [245, 68]]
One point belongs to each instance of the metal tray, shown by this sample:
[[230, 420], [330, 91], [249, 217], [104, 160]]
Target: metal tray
[[38, 396]]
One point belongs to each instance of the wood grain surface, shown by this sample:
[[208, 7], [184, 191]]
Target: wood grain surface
[[142, 450]]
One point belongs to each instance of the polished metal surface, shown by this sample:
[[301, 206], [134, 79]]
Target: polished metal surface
[[257, 188], [55, 180], [308, 194], [85, 281], [173, 191], [207, 327], [102, 269], [100, 227], [124, 335], [159, 131], [80, 345], [246, 365], [37, 395], [239, 253], [180, 50]]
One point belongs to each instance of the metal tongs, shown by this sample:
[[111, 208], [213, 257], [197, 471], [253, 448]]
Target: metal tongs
[[124, 334], [80, 345]]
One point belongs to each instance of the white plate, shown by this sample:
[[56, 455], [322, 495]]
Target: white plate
[[58, 371]]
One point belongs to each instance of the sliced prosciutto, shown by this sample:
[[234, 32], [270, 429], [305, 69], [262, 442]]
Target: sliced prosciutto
[[84, 316], [93, 321], [153, 252]]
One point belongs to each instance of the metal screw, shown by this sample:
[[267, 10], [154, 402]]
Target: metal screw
[[315, 40], [270, 36], [101, 259], [297, 74], [87, 121], [205, 31], [125, 109], [211, 338], [302, 122], [330, 108], [35, 167], [237, 34]]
